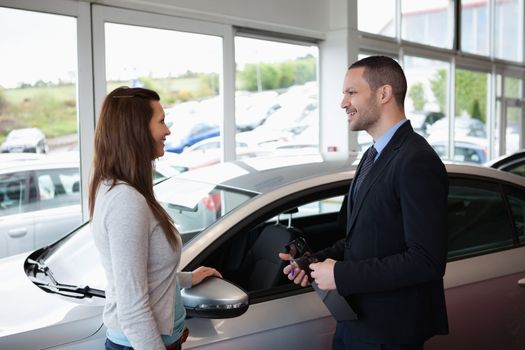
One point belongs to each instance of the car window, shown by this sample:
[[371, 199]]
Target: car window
[[517, 168], [466, 154], [250, 257], [194, 206], [517, 205], [58, 187], [322, 206], [478, 218], [12, 193]]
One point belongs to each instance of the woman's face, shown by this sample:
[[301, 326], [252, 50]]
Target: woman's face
[[158, 128]]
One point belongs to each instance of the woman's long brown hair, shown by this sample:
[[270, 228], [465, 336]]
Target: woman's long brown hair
[[125, 149]]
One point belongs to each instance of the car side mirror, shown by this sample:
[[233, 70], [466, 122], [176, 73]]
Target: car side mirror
[[214, 298]]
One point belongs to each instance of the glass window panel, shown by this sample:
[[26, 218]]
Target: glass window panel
[[369, 19], [512, 138], [38, 114], [509, 109], [497, 128], [420, 19], [508, 37], [12, 193], [58, 187], [184, 69], [470, 129], [475, 26], [513, 87], [276, 101], [426, 103]]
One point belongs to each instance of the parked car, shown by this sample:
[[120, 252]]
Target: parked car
[[39, 201], [463, 126], [514, 163], [197, 132], [468, 150], [208, 152], [236, 217], [40, 198], [252, 109], [25, 140], [421, 121]]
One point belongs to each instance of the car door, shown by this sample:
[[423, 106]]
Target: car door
[[281, 314], [16, 217], [485, 303], [58, 209]]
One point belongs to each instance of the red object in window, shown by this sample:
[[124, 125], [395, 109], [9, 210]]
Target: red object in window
[[212, 202]]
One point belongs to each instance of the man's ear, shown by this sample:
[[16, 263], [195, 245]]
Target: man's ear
[[385, 93]]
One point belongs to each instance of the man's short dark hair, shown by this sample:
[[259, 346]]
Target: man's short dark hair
[[384, 70]]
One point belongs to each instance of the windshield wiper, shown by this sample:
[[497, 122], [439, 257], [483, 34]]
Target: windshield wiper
[[60, 288]]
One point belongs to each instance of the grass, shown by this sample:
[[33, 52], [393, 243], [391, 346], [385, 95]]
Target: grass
[[53, 108]]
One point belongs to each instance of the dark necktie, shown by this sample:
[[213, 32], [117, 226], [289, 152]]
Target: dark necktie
[[367, 165]]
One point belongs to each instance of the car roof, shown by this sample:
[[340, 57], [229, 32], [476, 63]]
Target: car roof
[[506, 159], [262, 175], [11, 162]]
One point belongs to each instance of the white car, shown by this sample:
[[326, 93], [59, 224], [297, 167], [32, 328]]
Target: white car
[[40, 198], [236, 217], [30, 140], [39, 201]]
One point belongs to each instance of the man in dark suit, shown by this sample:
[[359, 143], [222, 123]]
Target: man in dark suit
[[391, 264]]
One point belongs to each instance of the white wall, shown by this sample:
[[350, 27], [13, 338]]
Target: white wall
[[301, 17]]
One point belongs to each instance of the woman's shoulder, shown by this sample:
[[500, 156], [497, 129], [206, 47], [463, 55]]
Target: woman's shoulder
[[122, 191]]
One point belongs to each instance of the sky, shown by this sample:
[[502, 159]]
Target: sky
[[43, 47]]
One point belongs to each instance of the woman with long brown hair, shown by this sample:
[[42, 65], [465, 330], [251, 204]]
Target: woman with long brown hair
[[139, 246]]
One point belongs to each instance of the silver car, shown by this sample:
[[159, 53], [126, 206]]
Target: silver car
[[30, 140], [39, 200], [236, 217]]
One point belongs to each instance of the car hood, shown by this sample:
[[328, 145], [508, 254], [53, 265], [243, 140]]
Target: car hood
[[30, 314]]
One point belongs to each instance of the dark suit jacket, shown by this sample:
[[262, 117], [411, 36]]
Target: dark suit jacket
[[393, 259]]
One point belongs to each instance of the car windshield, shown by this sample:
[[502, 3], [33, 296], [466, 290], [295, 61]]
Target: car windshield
[[194, 206]]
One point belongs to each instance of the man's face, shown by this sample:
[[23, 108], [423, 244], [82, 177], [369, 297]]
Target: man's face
[[359, 101]]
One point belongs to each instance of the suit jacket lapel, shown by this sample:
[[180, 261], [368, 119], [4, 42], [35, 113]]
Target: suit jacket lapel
[[387, 155]]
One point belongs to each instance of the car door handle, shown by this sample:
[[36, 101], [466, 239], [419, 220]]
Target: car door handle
[[521, 282], [17, 232]]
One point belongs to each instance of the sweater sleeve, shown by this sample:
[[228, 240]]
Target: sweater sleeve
[[128, 225]]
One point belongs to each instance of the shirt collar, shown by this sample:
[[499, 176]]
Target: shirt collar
[[381, 142]]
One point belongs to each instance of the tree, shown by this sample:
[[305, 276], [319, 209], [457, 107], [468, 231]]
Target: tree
[[476, 110], [417, 95], [437, 85], [208, 85], [270, 76], [470, 87]]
